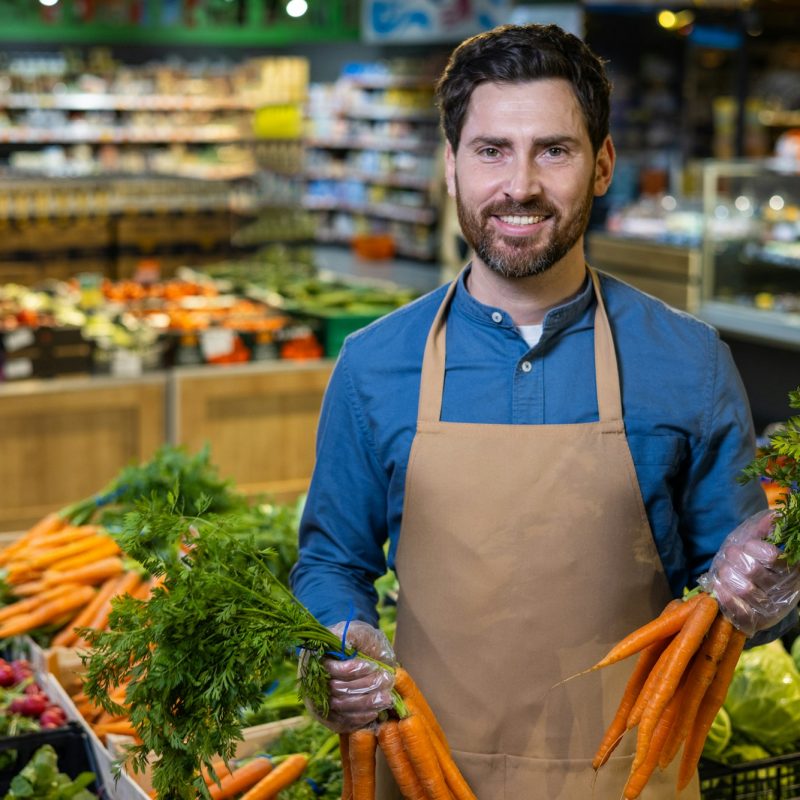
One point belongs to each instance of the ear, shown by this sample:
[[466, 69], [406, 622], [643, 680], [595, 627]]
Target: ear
[[604, 167], [450, 169]]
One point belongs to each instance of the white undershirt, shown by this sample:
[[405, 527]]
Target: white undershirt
[[530, 333]]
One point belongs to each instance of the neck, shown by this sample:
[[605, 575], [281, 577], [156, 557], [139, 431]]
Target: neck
[[527, 300]]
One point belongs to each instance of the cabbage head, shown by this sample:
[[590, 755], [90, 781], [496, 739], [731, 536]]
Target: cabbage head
[[796, 652], [763, 700], [718, 736]]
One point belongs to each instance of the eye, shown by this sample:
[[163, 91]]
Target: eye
[[556, 151], [489, 152]]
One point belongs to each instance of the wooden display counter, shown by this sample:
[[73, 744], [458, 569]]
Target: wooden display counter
[[259, 420], [63, 439], [669, 272]]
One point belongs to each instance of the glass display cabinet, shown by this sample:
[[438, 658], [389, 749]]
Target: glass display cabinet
[[751, 249]]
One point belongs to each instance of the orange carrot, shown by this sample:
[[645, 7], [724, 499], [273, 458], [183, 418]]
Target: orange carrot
[[219, 769], [126, 583], [68, 635], [613, 735], [391, 745], [241, 779], [456, 782], [64, 535], [122, 728], [93, 572], [641, 774], [414, 698], [285, 774], [347, 773], [30, 603], [100, 552], [701, 673], [30, 588], [362, 746], [52, 556], [650, 684], [668, 623], [49, 611], [709, 706], [686, 642], [47, 524], [418, 746]]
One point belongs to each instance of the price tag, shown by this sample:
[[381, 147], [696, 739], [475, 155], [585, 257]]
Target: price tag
[[18, 368], [217, 342], [16, 340], [125, 364]]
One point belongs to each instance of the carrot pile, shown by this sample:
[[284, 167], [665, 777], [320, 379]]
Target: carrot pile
[[686, 658], [415, 748], [64, 577]]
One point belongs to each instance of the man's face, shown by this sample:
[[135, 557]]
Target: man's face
[[525, 176]]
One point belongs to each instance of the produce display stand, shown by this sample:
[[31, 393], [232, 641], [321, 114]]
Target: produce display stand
[[64, 438], [260, 419], [73, 751], [775, 778]]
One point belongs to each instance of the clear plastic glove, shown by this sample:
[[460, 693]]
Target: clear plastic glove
[[753, 584], [359, 689]]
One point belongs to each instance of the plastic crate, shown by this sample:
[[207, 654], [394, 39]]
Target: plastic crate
[[775, 778], [72, 749]]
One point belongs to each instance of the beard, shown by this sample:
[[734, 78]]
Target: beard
[[521, 257]]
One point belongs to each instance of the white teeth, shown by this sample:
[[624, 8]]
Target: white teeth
[[521, 220]]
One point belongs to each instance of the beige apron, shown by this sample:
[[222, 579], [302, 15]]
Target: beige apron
[[525, 554]]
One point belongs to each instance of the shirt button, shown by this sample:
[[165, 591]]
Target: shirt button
[[497, 316], [527, 366]]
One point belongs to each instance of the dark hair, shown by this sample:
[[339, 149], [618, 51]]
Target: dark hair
[[517, 53]]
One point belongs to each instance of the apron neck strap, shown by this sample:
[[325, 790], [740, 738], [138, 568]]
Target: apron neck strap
[[431, 390]]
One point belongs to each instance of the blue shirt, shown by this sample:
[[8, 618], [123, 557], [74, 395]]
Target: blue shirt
[[686, 414]]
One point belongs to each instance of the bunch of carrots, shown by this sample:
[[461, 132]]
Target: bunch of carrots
[[64, 577], [415, 748], [686, 659]]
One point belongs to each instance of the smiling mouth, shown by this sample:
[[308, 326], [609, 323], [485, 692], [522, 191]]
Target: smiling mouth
[[515, 219]]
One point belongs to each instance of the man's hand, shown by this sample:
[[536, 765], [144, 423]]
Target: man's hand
[[359, 689], [751, 580]]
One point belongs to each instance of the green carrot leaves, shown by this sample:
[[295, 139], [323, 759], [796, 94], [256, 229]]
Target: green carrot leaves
[[201, 650], [779, 461]]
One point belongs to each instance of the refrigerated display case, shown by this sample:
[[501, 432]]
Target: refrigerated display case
[[751, 249]]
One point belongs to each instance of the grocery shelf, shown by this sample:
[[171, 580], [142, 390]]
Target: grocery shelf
[[89, 101], [395, 179], [395, 211], [151, 134], [372, 143]]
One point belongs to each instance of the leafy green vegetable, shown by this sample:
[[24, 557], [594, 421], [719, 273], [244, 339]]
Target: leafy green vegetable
[[763, 699], [170, 465], [40, 779], [780, 462], [201, 650], [795, 651]]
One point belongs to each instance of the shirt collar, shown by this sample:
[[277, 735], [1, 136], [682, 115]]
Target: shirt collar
[[557, 318]]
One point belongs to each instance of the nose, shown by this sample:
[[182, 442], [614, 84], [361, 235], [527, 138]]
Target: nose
[[523, 180]]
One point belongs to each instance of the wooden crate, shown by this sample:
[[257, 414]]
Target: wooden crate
[[260, 420], [63, 440]]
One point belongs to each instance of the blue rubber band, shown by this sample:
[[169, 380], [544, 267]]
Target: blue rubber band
[[342, 654], [105, 499], [272, 687], [315, 787]]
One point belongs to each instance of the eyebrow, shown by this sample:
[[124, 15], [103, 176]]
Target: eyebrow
[[544, 142]]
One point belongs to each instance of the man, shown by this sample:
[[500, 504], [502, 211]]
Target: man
[[551, 455]]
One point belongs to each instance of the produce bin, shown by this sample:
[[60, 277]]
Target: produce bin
[[332, 327], [72, 749], [775, 778]]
